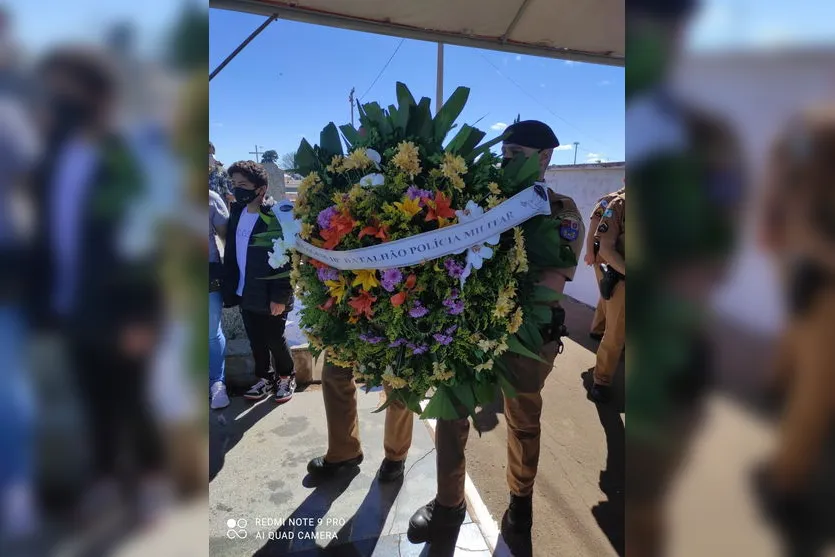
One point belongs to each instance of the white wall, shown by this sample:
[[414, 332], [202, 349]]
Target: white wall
[[585, 184], [757, 93]]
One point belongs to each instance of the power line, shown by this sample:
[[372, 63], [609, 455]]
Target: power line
[[543, 105], [382, 70]]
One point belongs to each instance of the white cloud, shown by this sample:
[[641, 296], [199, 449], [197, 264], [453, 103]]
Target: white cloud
[[569, 62], [605, 82], [596, 157], [498, 126], [217, 124], [518, 58], [568, 147], [542, 85]]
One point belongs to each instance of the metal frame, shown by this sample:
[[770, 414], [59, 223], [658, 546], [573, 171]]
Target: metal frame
[[264, 7]]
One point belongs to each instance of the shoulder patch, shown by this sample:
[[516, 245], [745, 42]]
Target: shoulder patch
[[569, 229], [604, 203], [603, 228], [608, 213]]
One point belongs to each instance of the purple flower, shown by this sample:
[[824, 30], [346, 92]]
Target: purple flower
[[370, 338], [417, 349], [397, 343], [442, 339], [454, 269], [451, 330], [324, 219], [391, 278], [454, 305], [327, 273], [416, 193], [418, 310]]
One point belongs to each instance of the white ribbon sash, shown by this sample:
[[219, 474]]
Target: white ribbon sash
[[425, 246]]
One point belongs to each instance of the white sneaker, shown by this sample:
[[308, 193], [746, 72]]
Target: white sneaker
[[285, 389], [218, 396]]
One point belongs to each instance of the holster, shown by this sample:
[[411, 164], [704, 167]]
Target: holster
[[554, 331], [610, 280]]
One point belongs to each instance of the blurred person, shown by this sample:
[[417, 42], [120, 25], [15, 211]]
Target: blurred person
[[19, 146], [264, 304], [799, 229], [687, 187], [219, 181], [610, 246], [523, 412], [218, 221], [591, 258], [103, 299]]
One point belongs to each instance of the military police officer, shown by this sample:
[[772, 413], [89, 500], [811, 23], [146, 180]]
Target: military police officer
[[593, 259], [522, 413]]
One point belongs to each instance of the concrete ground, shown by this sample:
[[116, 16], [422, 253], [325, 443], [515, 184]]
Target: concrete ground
[[262, 502]]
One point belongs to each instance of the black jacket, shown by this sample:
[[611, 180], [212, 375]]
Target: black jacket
[[257, 292], [114, 291]]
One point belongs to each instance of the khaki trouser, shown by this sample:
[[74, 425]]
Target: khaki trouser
[[340, 393], [598, 322], [522, 414], [614, 338], [808, 352]]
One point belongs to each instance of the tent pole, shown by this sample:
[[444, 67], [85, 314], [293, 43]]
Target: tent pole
[[439, 79], [242, 45]]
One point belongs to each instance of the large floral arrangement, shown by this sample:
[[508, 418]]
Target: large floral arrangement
[[441, 326]]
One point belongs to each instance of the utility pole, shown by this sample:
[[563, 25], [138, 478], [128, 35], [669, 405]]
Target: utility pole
[[351, 102], [576, 144], [439, 79], [257, 153]]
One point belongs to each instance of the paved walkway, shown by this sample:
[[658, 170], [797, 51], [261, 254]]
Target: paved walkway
[[259, 486]]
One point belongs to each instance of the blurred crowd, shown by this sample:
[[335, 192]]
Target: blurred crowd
[[101, 431]]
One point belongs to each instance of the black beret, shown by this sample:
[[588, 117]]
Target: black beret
[[533, 134], [662, 9]]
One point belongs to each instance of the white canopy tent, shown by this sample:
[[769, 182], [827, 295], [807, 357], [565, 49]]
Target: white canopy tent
[[589, 31]]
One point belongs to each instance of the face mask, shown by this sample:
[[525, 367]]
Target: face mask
[[245, 196]]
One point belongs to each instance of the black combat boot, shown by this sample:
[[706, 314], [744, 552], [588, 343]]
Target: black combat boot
[[391, 470], [520, 513], [433, 520], [322, 468]]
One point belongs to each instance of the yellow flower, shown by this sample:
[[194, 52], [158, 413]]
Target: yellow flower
[[486, 345], [337, 164], [367, 278], [341, 363], [353, 319], [307, 231], [337, 288], [440, 372], [409, 207], [494, 188], [502, 346], [457, 183], [488, 365], [515, 321], [407, 158], [338, 198], [357, 160], [392, 380], [520, 256], [503, 307], [494, 201], [313, 340], [508, 292], [355, 193], [453, 165]]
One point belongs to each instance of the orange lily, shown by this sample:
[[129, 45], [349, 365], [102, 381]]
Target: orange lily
[[376, 231], [410, 281], [362, 304], [398, 299], [328, 305], [439, 209]]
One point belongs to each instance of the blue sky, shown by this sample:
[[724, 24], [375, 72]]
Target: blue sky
[[294, 78]]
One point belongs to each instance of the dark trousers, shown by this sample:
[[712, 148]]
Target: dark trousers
[[266, 337], [114, 391]]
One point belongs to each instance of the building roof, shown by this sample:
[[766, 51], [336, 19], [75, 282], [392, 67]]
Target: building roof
[[587, 166]]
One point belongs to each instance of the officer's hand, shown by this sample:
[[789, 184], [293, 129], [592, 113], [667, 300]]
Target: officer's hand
[[276, 309], [589, 258]]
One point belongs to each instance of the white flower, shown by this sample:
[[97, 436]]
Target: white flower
[[375, 157], [370, 180], [488, 365], [279, 257], [476, 256]]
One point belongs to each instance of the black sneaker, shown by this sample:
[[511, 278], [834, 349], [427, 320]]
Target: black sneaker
[[391, 470], [433, 520], [285, 388], [520, 513], [260, 390], [321, 467], [600, 394]]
